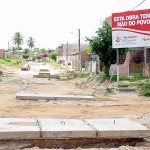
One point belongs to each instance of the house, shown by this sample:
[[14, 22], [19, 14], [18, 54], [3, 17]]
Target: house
[[85, 57], [60, 59], [132, 63], [137, 60], [71, 54]]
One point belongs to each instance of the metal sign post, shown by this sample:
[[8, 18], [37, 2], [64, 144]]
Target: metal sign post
[[117, 67]]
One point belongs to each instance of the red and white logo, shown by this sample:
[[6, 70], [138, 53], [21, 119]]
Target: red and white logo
[[118, 39]]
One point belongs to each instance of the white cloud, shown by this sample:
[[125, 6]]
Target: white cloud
[[51, 21]]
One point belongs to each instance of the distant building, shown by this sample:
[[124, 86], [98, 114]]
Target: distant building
[[60, 58], [108, 20], [72, 49]]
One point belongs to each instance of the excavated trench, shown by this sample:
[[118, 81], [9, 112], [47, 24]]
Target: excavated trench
[[69, 143]]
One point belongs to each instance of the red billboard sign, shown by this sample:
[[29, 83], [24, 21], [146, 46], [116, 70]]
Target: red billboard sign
[[131, 29]]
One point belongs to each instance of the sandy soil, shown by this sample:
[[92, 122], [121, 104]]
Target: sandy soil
[[128, 105]]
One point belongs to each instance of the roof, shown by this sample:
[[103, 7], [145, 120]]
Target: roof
[[74, 48]]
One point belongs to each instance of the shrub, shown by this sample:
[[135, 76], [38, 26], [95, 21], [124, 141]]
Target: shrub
[[25, 56], [145, 90], [38, 57], [53, 56], [138, 76]]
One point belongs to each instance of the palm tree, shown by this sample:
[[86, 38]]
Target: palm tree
[[17, 39], [30, 42]]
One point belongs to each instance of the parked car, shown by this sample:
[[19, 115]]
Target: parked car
[[25, 67]]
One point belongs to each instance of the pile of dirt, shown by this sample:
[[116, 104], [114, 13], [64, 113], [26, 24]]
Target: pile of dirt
[[69, 74]]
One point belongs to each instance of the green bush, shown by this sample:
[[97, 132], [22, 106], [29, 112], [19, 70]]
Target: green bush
[[138, 76], [53, 56], [145, 90], [25, 56], [38, 57]]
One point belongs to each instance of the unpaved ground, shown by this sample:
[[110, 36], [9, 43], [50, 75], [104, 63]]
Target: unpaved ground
[[128, 105]]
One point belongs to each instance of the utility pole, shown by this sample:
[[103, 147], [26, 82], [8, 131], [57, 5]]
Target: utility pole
[[80, 64], [67, 55], [8, 45]]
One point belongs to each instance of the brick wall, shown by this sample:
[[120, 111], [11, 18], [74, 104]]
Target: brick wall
[[2, 54], [85, 56], [123, 68], [147, 70]]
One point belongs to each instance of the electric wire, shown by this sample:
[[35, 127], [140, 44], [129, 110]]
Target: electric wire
[[138, 5], [123, 5]]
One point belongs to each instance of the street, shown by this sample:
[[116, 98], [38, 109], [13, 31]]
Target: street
[[126, 105]]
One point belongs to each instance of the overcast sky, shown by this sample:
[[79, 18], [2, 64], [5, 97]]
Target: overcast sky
[[50, 22]]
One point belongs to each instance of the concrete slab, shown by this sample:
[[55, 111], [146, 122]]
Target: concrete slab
[[125, 89], [18, 128], [44, 73], [55, 76], [118, 128], [44, 69], [65, 128], [32, 96]]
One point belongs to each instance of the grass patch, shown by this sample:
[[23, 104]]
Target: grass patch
[[11, 62], [83, 74], [124, 85], [138, 76], [55, 65], [109, 90], [132, 84], [104, 78], [133, 78], [145, 90], [10, 81], [124, 78]]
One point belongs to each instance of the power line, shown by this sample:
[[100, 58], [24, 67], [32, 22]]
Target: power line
[[122, 5], [138, 5]]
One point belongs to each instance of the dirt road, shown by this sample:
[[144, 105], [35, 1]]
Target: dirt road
[[128, 105]]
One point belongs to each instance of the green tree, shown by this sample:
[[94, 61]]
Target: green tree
[[31, 42], [42, 50], [102, 46], [53, 56], [17, 39], [49, 50], [26, 51]]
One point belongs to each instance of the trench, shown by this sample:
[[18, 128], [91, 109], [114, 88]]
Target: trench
[[69, 143]]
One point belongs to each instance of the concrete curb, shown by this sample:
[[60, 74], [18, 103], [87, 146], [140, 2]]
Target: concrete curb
[[114, 128], [32, 96]]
